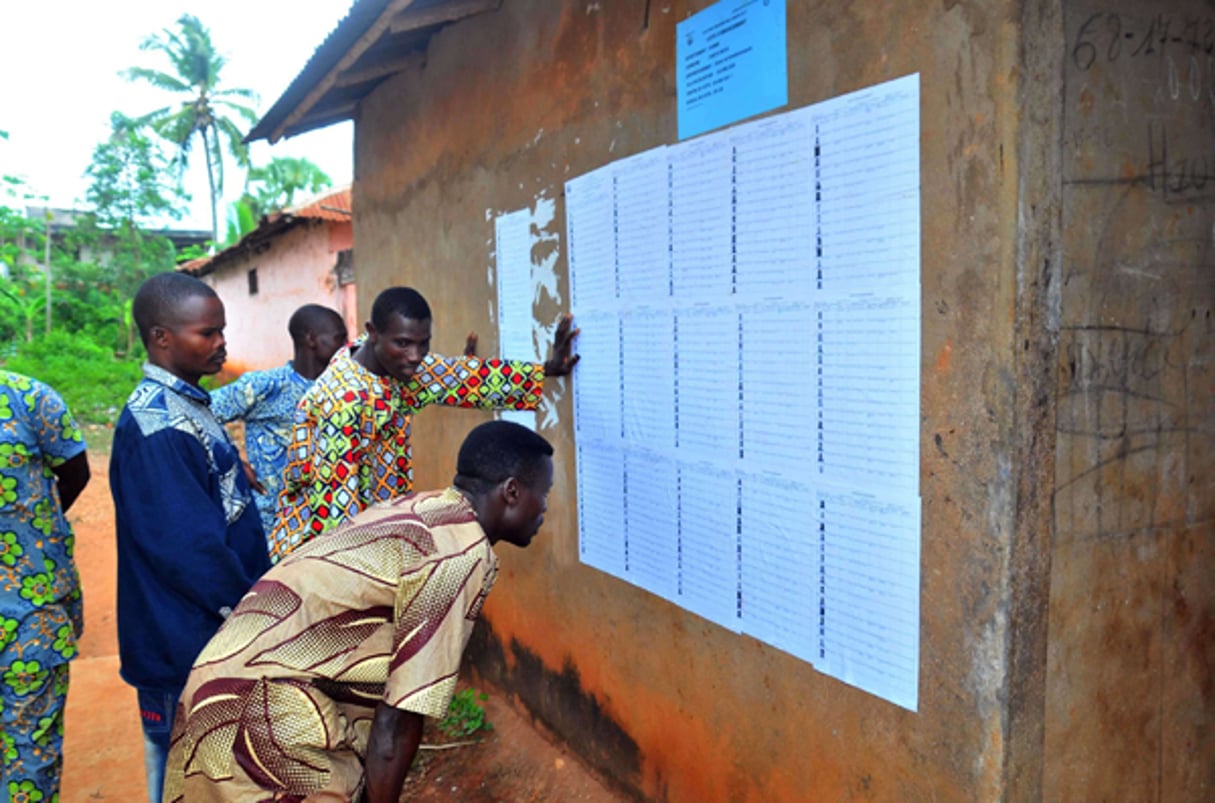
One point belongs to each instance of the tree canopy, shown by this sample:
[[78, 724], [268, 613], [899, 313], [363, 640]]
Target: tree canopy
[[207, 110], [274, 186]]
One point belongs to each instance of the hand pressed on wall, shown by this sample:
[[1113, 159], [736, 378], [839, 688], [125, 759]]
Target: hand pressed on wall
[[561, 358]]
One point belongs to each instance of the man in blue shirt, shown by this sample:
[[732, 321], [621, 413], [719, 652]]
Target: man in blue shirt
[[43, 469], [190, 542], [266, 400]]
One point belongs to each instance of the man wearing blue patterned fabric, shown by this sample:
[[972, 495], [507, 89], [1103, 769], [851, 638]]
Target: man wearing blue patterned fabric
[[190, 542], [43, 469], [266, 400]]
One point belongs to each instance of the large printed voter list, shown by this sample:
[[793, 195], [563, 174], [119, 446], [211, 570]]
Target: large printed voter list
[[747, 405]]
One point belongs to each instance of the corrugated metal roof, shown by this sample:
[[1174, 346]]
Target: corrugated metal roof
[[374, 41], [356, 22]]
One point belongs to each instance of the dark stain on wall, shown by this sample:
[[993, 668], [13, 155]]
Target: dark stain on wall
[[559, 702]]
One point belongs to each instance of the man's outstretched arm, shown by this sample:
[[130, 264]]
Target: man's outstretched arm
[[394, 740]]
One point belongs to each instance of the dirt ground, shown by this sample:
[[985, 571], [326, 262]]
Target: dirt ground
[[103, 750]]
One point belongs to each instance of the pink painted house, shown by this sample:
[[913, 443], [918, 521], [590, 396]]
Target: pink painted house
[[301, 255]]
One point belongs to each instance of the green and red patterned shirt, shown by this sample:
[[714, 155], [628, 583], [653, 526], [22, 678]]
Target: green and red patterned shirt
[[350, 446]]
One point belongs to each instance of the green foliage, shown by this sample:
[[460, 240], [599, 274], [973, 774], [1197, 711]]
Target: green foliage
[[91, 380], [22, 291], [193, 252], [241, 221], [130, 178], [466, 716], [273, 186], [203, 114]]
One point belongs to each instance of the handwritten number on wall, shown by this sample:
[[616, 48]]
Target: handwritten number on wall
[[1107, 32]]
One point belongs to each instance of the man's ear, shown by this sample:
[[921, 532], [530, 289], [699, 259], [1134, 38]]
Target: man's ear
[[369, 328], [158, 336], [510, 491]]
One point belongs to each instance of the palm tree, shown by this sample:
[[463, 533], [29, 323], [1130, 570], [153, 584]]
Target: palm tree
[[204, 112], [273, 186]]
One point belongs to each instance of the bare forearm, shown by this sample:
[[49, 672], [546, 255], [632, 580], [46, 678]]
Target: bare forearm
[[394, 740], [72, 476]]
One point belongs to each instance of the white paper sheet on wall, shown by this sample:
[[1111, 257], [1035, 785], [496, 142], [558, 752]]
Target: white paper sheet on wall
[[747, 404], [647, 381], [516, 292], [702, 219], [778, 412], [707, 377], [708, 543], [601, 537], [597, 381], [868, 389], [652, 522], [590, 225], [870, 572], [643, 242], [779, 563], [774, 203]]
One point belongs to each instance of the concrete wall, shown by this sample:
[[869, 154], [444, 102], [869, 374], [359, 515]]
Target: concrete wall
[[296, 269], [1132, 603], [675, 708]]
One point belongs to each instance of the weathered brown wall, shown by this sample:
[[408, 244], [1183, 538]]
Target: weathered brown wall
[[511, 104], [1132, 608]]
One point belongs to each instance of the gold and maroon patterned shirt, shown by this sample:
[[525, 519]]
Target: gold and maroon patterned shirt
[[380, 609]]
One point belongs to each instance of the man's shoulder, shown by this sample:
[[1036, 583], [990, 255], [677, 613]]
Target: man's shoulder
[[256, 386], [153, 408], [342, 382], [27, 389], [437, 510], [146, 397], [270, 378]]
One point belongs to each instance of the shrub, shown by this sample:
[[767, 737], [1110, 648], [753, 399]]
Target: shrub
[[465, 715], [91, 380]]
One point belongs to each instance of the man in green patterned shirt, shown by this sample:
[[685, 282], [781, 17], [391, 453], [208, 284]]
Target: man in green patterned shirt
[[43, 469]]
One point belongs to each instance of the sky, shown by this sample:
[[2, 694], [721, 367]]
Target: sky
[[61, 65]]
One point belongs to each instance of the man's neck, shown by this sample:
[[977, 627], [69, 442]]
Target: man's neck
[[189, 379], [364, 355], [306, 364]]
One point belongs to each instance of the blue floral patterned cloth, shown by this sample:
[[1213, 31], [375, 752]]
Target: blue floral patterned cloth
[[41, 614], [266, 402]]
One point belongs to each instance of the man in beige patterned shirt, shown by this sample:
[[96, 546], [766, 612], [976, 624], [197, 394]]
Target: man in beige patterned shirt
[[315, 687]]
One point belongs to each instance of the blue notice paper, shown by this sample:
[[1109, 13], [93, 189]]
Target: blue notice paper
[[730, 63]]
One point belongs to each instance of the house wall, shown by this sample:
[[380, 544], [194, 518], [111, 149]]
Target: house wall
[[1130, 690], [675, 708], [296, 269]]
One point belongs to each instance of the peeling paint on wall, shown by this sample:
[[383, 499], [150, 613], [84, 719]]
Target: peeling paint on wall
[[546, 248]]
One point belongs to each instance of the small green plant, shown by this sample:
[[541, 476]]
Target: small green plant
[[466, 716]]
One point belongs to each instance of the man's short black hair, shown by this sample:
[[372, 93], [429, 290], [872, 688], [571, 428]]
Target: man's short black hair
[[496, 450], [403, 301], [158, 299], [311, 318]]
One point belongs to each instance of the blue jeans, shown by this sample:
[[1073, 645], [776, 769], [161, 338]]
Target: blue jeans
[[156, 709]]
